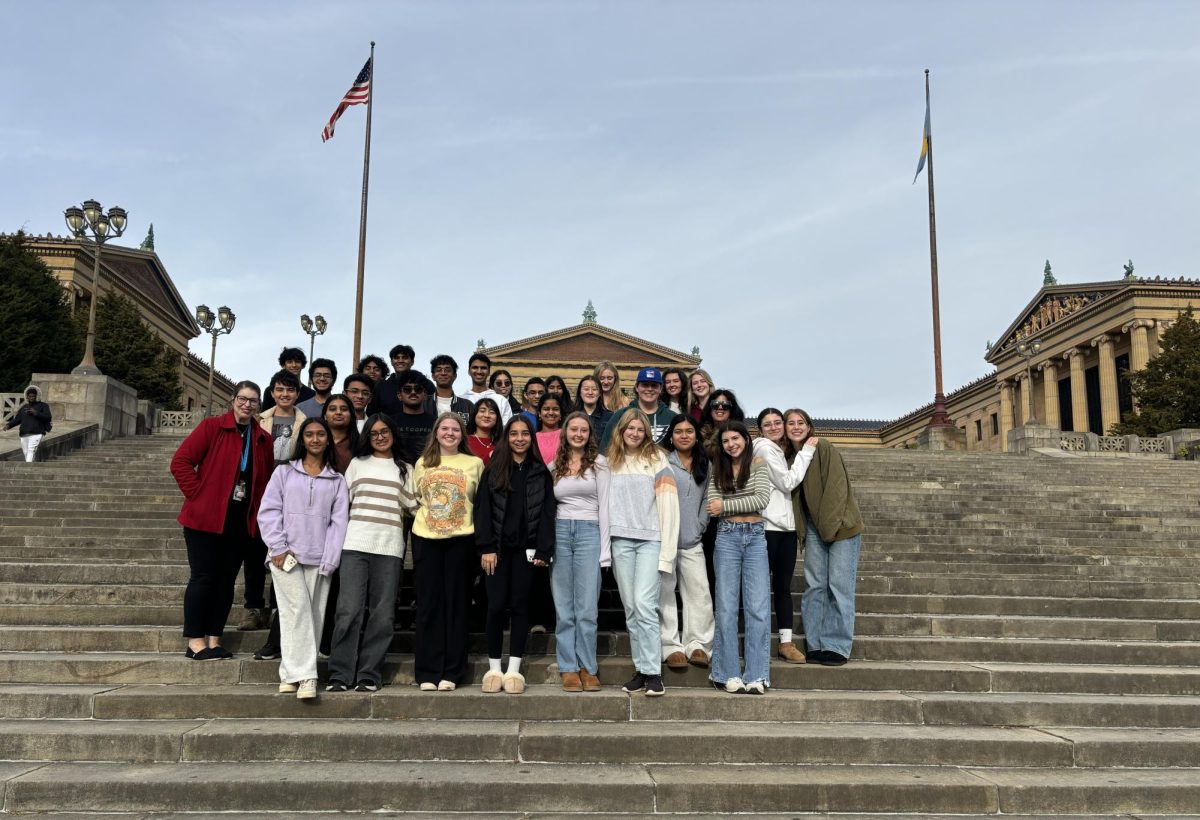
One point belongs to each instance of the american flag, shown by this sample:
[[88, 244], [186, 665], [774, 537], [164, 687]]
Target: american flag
[[358, 94]]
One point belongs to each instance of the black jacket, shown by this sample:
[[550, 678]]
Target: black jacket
[[490, 506], [34, 419]]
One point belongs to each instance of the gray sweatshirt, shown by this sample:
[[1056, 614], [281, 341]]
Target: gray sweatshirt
[[693, 512]]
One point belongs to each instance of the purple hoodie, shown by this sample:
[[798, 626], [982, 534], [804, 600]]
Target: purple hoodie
[[304, 515]]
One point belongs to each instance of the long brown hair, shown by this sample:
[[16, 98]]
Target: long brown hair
[[616, 446], [728, 474], [431, 456], [685, 396], [562, 462], [616, 399], [789, 448]]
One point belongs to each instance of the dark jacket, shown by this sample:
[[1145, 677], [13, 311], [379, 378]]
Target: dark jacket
[[490, 506], [33, 418], [599, 419], [206, 467], [827, 494], [458, 405]]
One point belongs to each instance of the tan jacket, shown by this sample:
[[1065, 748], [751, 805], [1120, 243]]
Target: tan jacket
[[829, 497]]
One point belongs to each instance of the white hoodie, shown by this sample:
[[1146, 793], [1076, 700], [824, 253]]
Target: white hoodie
[[778, 516]]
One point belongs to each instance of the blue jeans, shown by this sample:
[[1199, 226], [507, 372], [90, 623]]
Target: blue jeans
[[575, 584], [740, 564], [827, 607], [635, 563]]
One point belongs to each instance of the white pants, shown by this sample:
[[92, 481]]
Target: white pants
[[692, 578], [29, 445], [301, 595]]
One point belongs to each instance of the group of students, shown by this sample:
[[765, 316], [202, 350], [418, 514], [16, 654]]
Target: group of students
[[669, 489]]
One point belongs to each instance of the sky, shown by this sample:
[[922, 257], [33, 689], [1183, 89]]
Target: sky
[[732, 175]]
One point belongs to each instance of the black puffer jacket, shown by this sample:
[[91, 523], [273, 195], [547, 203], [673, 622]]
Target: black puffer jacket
[[540, 504], [33, 418]]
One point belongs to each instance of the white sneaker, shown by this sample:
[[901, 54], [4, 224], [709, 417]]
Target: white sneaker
[[428, 687], [288, 688], [734, 686], [307, 690], [756, 688]]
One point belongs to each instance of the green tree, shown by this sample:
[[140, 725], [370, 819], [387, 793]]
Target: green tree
[[39, 335], [1167, 391], [131, 353]]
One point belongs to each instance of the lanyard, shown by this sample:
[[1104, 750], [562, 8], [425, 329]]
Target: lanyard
[[246, 449]]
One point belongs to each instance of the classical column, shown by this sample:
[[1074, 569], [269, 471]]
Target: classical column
[[1079, 408], [1161, 327], [1050, 417], [1026, 397], [1006, 412], [1139, 342], [1109, 410]]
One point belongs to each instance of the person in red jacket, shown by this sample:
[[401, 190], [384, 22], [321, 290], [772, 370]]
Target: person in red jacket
[[222, 469]]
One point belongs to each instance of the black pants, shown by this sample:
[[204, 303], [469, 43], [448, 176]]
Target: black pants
[[214, 560], [781, 559], [508, 596], [441, 639], [255, 555], [708, 543]]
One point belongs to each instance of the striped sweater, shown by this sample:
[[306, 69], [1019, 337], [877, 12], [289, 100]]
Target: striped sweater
[[751, 499], [643, 504], [378, 498]]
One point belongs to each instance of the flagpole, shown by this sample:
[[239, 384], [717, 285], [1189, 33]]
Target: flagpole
[[940, 417], [362, 221]]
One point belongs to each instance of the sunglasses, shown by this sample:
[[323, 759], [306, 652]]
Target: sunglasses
[[722, 405], [410, 389]]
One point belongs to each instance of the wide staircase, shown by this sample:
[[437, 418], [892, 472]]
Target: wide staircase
[[1027, 645]]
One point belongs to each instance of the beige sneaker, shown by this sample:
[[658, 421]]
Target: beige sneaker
[[307, 690], [789, 653], [288, 688]]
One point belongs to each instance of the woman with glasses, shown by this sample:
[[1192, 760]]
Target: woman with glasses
[[702, 386], [484, 429], [826, 512], [738, 492], [502, 382], [381, 490], [780, 522], [222, 469], [643, 520], [446, 478], [610, 386], [587, 401]]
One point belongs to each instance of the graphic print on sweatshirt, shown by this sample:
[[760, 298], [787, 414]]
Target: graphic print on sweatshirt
[[445, 492]]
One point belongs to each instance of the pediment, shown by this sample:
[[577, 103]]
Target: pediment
[[588, 344], [1051, 307]]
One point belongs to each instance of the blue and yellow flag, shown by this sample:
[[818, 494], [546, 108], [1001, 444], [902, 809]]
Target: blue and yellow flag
[[924, 144]]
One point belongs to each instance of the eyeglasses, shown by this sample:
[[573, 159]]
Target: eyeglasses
[[499, 383], [380, 435], [722, 405], [322, 376], [410, 389], [246, 401], [361, 391]]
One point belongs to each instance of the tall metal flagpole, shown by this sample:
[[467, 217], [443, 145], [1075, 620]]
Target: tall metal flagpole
[[940, 417], [362, 222]]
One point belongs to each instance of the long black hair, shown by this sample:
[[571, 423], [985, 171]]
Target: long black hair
[[721, 394], [723, 474], [352, 434], [499, 469], [299, 451], [699, 457], [473, 429], [364, 448], [564, 408]]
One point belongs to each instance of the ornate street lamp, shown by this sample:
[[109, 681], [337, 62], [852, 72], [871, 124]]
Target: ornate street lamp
[[103, 227], [225, 320], [1028, 350], [313, 329]]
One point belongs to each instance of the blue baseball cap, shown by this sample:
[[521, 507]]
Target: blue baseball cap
[[650, 374]]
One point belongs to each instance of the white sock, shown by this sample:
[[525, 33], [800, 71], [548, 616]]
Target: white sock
[[785, 636], [514, 666], [493, 664]]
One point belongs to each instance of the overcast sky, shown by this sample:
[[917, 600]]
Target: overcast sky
[[733, 175]]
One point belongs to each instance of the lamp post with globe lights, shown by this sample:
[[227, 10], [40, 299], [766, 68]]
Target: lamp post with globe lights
[[103, 227], [224, 322]]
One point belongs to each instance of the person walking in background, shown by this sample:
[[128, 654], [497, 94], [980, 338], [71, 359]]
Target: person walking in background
[[581, 547], [446, 478], [693, 643], [381, 489], [514, 532], [33, 420], [643, 520], [738, 492], [222, 469], [302, 518], [827, 513]]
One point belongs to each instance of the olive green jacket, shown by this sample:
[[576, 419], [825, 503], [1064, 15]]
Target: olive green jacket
[[829, 496]]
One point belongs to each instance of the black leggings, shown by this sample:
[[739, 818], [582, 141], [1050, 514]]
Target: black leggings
[[255, 555], [214, 559], [508, 592], [781, 558]]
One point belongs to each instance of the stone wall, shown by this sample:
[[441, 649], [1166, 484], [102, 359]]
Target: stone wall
[[97, 400]]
